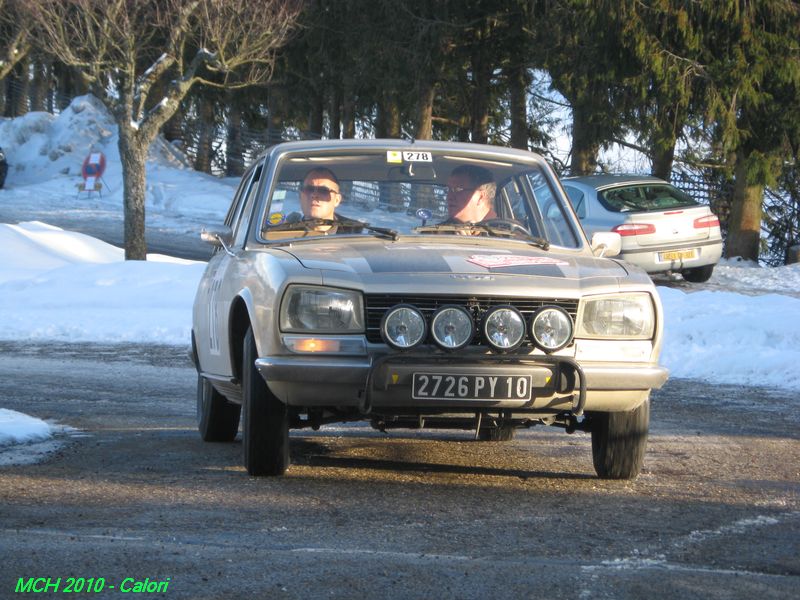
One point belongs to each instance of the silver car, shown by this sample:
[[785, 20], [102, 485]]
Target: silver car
[[662, 228], [352, 280]]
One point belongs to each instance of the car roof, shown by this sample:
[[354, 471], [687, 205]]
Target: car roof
[[396, 144], [607, 180]]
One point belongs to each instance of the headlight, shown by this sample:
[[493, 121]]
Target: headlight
[[403, 327], [452, 327], [504, 328], [628, 316], [321, 310], [551, 328]]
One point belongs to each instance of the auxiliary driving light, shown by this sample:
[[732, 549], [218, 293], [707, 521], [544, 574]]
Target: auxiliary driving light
[[504, 328], [403, 327], [452, 327], [551, 328]]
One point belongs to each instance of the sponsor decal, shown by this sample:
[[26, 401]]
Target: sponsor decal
[[495, 261], [276, 218]]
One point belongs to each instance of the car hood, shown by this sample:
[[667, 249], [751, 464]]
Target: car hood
[[378, 258]]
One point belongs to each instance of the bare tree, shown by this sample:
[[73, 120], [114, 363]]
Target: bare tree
[[15, 40], [127, 49]]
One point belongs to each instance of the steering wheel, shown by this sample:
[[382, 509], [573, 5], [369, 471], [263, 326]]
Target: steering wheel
[[509, 225]]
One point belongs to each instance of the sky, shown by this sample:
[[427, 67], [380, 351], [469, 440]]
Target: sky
[[59, 285]]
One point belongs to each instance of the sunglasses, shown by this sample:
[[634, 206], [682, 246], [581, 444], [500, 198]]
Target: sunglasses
[[459, 189], [320, 190]]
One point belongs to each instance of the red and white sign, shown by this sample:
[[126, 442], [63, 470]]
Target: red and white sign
[[93, 166], [494, 261]]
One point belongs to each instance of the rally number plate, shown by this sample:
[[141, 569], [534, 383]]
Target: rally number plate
[[441, 386]]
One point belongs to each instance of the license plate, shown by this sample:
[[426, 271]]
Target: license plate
[[677, 255], [440, 386]]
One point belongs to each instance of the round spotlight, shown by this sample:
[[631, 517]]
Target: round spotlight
[[403, 327], [551, 328], [452, 327], [504, 328]]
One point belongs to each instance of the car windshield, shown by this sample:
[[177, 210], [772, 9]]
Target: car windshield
[[653, 197], [389, 193]]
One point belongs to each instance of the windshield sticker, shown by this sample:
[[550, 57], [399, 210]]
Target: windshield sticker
[[277, 218], [423, 214], [397, 157], [494, 261], [417, 156]]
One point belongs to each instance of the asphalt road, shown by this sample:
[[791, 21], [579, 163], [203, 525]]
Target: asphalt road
[[133, 493]]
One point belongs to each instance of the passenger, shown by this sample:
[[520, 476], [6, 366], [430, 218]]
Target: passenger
[[470, 195]]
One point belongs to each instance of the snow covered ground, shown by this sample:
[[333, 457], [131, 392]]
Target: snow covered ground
[[743, 327]]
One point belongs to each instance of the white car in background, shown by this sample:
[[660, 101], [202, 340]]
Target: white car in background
[[663, 229]]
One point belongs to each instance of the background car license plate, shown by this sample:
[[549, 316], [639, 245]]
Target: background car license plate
[[440, 386], [677, 255]]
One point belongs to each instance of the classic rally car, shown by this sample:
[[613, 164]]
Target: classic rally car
[[419, 284]]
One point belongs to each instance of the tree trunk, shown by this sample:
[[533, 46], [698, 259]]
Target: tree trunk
[[316, 117], [480, 112], [388, 125], [518, 99], [205, 112], [40, 85], [744, 222], [662, 161], [481, 83], [234, 160], [348, 112], [173, 129], [348, 118], [427, 94], [133, 155], [584, 147], [335, 120], [17, 98], [670, 120]]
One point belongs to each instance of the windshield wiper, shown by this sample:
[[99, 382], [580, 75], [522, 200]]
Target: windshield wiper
[[381, 231], [504, 229]]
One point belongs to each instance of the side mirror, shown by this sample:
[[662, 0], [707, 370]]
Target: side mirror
[[606, 243], [220, 236]]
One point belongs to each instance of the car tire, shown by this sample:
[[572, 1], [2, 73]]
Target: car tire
[[503, 433], [265, 427], [698, 274], [217, 419], [619, 440]]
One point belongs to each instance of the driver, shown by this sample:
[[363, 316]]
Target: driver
[[320, 195], [470, 195]]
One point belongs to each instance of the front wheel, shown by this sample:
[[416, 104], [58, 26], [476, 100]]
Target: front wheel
[[619, 440], [217, 419], [265, 431], [698, 274]]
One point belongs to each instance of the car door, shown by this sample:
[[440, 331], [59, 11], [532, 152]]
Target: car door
[[212, 338]]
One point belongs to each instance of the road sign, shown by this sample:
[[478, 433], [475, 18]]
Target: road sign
[[94, 165]]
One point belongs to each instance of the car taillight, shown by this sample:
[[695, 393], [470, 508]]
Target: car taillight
[[634, 229], [709, 221]]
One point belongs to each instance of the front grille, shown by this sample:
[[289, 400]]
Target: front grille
[[376, 305]]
